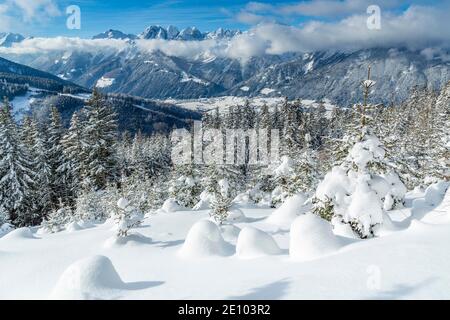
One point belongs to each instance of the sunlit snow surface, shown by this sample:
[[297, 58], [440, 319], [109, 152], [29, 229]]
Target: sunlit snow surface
[[411, 262]]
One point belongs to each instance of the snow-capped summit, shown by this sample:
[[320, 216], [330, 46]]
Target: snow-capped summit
[[172, 32], [114, 34], [191, 33], [154, 32], [222, 34], [8, 39]]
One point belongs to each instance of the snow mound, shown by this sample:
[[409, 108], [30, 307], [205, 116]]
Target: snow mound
[[131, 239], [205, 201], [21, 233], [171, 205], [5, 229], [73, 226], [433, 196], [229, 232], [87, 279], [204, 239], [236, 215], [312, 237], [288, 211], [254, 243], [435, 193]]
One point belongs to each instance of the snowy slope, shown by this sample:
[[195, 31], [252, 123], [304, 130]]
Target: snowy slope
[[410, 263]]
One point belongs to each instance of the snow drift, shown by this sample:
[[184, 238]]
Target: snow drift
[[253, 243], [204, 239], [312, 237], [21, 233], [90, 278], [288, 211]]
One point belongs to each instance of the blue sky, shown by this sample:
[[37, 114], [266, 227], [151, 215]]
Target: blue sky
[[48, 18]]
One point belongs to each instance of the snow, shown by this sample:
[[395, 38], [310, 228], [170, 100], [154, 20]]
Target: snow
[[88, 279], [223, 102], [245, 88], [367, 151], [412, 261], [253, 243], [205, 201], [236, 215], [187, 78], [171, 205], [104, 82], [312, 237], [309, 67], [285, 168], [122, 203], [19, 234], [72, 227], [369, 83], [267, 91], [204, 239], [288, 211], [21, 105]]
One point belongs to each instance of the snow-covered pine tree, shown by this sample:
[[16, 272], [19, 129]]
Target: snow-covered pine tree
[[221, 202], [57, 219], [100, 136], [126, 217], [36, 140], [439, 147], [55, 156], [353, 193], [305, 172], [70, 170], [186, 185], [16, 175]]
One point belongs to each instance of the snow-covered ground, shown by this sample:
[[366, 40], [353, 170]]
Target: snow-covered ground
[[224, 102], [410, 261], [22, 104]]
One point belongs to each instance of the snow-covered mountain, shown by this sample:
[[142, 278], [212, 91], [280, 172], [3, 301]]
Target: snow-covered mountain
[[114, 34], [8, 39], [34, 91], [335, 75]]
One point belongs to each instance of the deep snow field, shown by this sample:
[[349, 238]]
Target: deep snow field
[[410, 260]]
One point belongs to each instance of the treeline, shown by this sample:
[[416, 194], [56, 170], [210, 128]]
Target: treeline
[[55, 175]]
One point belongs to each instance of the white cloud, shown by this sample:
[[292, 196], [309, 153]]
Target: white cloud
[[333, 8], [35, 9], [45, 45], [417, 28]]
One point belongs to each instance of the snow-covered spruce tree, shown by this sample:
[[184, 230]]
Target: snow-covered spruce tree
[[100, 133], [55, 155], [16, 183], [70, 169], [440, 136], [126, 217], [57, 219], [94, 206], [35, 137], [221, 202], [306, 175], [353, 193], [186, 185], [4, 216]]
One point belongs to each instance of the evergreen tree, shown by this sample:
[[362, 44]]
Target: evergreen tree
[[55, 156], [16, 182], [73, 149], [99, 140]]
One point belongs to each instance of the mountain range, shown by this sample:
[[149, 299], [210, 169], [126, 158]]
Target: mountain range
[[335, 75], [33, 91]]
